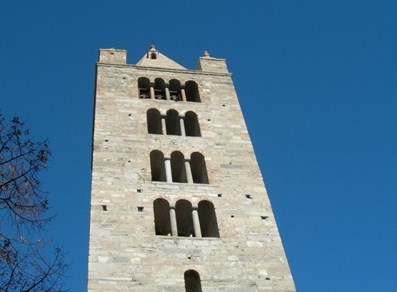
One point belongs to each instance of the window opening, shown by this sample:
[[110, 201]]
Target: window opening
[[159, 89], [153, 117], [198, 167], [178, 167], [192, 92], [184, 220], [162, 222], [157, 166], [192, 127], [144, 88], [173, 123], [175, 90], [175, 96], [192, 281], [208, 221]]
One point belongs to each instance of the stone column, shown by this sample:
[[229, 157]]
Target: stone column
[[168, 173], [151, 92], [183, 93], [196, 223], [174, 227], [182, 125], [188, 172], [167, 94], [163, 126]]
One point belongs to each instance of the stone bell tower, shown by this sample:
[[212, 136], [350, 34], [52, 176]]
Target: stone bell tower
[[178, 201]]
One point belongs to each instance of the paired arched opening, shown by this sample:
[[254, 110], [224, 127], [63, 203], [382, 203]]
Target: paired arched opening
[[172, 123], [172, 91], [184, 220], [178, 169], [192, 281]]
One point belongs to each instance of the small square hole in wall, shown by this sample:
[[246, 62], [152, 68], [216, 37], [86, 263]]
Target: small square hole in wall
[[248, 196], [140, 209], [139, 190], [264, 217], [231, 216], [219, 195], [106, 140], [104, 208]]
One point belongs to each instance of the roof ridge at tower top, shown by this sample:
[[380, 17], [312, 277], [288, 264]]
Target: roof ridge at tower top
[[153, 58]]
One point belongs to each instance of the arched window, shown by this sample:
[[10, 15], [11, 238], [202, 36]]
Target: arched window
[[178, 167], [192, 92], [162, 223], [208, 222], [153, 56], [192, 127], [157, 166], [143, 86], [199, 170], [159, 89], [153, 117], [192, 281], [184, 220], [175, 90], [173, 126]]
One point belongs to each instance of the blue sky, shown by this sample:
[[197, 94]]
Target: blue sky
[[317, 84]]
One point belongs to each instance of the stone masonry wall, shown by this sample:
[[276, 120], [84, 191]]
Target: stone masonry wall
[[125, 254]]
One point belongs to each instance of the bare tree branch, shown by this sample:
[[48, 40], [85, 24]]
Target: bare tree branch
[[27, 262]]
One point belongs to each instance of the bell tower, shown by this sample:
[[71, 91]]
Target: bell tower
[[178, 201]]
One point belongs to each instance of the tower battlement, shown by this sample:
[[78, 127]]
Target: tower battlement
[[112, 56], [153, 58]]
